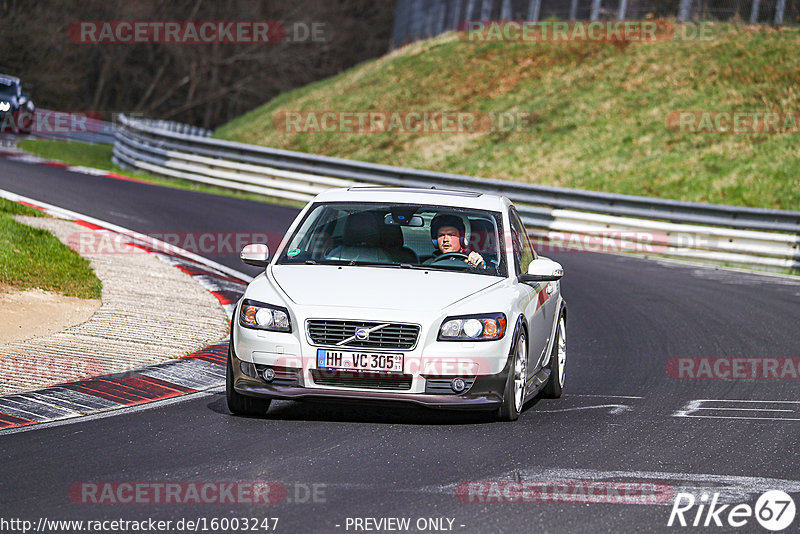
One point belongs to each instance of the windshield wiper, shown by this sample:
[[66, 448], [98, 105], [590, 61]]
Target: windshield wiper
[[356, 263]]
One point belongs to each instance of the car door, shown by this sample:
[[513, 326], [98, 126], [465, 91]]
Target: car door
[[548, 302], [533, 293]]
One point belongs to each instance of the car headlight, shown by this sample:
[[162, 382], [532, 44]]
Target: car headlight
[[262, 316], [481, 327]]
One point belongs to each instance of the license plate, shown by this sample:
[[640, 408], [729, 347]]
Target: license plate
[[359, 361]]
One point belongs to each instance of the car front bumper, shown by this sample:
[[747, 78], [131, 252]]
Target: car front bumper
[[486, 393]]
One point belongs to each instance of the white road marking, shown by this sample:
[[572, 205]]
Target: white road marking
[[604, 396], [615, 409], [749, 409], [693, 409]]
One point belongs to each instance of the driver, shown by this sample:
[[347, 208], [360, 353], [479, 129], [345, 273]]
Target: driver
[[449, 234]]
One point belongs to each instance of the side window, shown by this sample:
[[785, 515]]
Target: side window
[[523, 252]]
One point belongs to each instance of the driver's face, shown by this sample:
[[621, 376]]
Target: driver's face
[[448, 239]]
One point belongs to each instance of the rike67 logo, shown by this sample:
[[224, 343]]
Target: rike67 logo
[[774, 511]]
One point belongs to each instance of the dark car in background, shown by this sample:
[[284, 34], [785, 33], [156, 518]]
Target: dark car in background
[[17, 111]]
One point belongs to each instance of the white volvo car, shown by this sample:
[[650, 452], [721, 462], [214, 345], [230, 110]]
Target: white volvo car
[[426, 296]]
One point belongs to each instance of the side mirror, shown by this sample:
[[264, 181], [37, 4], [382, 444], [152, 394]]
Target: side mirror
[[256, 255], [543, 270]]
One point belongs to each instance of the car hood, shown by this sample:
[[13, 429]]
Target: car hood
[[377, 287]]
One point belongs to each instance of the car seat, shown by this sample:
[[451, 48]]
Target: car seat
[[393, 243], [361, 240]]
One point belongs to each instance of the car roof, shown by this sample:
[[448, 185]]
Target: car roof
[[408, 195], [5, 78]]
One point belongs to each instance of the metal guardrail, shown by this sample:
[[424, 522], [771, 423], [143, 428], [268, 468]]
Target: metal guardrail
[[59, 125], [176, 127], [764, 238]]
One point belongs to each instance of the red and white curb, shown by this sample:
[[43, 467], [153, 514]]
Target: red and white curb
[[202, 370], [199, 371]]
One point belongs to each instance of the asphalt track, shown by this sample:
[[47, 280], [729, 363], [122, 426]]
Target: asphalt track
[[622, 419]]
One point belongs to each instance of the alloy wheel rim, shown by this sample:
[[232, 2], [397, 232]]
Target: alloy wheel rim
[[562, 350], [519, 375]]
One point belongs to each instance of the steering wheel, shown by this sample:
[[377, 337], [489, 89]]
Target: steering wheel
[[450, 256]]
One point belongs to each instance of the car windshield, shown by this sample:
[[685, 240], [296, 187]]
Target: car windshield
[[8, 89], [396, 235]]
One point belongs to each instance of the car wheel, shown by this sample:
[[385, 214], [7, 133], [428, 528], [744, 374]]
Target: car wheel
[[514, 394], [240, 404], [558, 361]]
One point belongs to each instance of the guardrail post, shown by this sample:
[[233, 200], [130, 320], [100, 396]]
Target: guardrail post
[[754, 11], [779, 10], [417, 20], [683, 10], [469, 13], [486, 9], [428, 18], [595, 14], [573, 10], [401, 18], [623, 8], [456, 16], [505, 11], [534, 8], [440, 12]]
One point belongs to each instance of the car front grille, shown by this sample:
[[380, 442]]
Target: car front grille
[[361, 380], [382, 335]]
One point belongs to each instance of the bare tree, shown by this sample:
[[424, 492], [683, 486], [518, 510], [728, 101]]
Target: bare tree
[[202, 84]]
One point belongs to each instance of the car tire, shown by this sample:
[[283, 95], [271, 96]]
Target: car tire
[[514, 392], [240, 404], [558, 361]]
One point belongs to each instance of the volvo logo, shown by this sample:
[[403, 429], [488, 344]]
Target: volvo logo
[[362, 334]]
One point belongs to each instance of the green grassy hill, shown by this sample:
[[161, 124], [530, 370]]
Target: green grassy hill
[[598, 113]]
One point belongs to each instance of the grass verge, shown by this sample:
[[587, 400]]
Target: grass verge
[[34, 258], [599, 115]]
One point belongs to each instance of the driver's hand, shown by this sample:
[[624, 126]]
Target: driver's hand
[[475, 259]]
